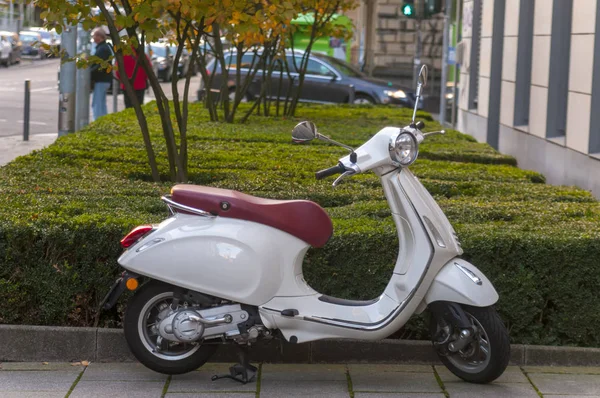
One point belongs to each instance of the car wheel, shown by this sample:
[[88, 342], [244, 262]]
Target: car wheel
[[362, 99]]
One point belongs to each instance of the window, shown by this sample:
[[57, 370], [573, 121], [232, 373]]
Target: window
[[312, 68], [558, 84], [524, 55], [247, 61]]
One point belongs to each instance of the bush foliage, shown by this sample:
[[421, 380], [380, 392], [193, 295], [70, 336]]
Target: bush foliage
[[66, 207]]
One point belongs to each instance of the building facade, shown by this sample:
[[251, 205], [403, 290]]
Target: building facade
[[385, 40], [530, 84]]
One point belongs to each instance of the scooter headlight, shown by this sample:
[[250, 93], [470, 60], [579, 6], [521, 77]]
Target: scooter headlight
[[404, 149]]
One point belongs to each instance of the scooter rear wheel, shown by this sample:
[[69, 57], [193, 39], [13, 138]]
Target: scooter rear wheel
[[144, 311], [487, 356]]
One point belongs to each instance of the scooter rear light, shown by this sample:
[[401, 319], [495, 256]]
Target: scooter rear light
[[136, 234]]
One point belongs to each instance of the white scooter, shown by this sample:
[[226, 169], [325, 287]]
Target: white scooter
[[227, 268]]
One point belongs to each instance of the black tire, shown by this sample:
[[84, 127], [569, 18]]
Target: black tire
[[144, 295], [498, 344], [363, 99]]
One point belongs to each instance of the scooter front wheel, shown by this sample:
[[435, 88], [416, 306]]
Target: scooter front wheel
[[145, 310], [486, 357]]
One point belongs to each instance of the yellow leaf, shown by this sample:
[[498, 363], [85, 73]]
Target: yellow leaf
[[85, 363]]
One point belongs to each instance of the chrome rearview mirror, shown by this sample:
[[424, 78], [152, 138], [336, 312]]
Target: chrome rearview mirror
[[422, 82], [307, 131], [304, 132]]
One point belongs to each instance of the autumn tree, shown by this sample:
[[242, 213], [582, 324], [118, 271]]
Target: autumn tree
[[262, 28], [322, 13]]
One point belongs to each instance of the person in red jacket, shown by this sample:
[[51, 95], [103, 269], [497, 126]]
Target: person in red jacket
[[140, 83]]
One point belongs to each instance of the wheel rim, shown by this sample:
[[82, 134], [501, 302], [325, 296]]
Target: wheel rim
[[476, 356], [153, 312], [362, 101]]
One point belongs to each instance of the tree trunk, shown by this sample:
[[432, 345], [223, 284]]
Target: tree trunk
[[129, 91]]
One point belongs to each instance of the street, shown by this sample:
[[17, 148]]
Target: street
[[44, 96]]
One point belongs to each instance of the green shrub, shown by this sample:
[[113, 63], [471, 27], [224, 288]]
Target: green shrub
[[66, 207]]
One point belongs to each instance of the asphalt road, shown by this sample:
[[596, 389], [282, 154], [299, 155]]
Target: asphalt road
[[44, 97]]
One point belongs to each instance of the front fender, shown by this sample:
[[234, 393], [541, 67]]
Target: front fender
[[461, 282]]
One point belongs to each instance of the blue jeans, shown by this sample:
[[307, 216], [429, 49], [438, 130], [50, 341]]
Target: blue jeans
[[99, 99]]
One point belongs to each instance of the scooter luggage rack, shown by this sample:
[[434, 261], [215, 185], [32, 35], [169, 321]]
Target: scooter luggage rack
[[172, 205]]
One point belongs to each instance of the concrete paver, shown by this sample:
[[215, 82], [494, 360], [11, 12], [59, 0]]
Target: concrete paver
[[41, 381], [213, 395], [115, 380], [118, 389], [304, 388], [566, 384], [397, 395], [121, 372], [585, 370], [460, 389], [41, 366], [394, 382], [297, 372], [512, 374], [385, 368], [200, 381], [32, 394]]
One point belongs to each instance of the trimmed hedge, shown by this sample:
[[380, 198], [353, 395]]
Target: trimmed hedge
[[66, 207]]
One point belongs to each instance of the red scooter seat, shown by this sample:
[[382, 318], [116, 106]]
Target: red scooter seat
[[303, 219]]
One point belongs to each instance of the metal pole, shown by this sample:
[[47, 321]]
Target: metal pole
[[26, 110], [66, 107], [456, 65], [10, 14], [82, 107], [418, 49], [446, 41], [370, 37]]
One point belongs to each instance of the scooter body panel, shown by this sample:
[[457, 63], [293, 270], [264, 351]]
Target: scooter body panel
[[419, 261], [461, 282], [233, 259], [258, 265]]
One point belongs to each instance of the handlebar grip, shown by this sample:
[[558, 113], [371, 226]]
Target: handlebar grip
[[420, 125], [319, 175]]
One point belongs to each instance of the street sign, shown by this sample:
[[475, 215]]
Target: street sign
[[451, 55]]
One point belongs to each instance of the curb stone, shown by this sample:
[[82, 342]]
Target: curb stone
[[23, 343]]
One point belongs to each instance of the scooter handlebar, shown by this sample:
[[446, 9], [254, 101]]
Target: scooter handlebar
[[319, 175]]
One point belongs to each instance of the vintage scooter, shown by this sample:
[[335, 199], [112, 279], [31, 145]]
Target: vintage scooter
[[227, 268]]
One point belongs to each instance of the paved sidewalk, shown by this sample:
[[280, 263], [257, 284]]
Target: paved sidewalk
[[13, 146], [50, 380]]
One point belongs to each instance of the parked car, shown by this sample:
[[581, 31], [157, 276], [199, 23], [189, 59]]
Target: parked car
[[5, 51], [32, 44], [327, 80], [163, 56], [16, 46], [49, 38]]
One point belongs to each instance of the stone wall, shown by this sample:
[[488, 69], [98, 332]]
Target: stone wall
[[396, 38]]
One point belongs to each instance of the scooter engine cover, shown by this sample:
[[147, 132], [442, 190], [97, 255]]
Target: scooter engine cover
[[186, 329]]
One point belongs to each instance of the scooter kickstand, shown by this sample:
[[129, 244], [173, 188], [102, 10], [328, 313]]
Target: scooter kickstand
[[241, 372]]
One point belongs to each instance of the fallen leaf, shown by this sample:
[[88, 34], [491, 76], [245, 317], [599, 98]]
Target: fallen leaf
[[75, 363], [44, 363], [85, 363]]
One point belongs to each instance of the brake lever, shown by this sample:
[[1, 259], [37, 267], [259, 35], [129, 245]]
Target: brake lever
[[434, 133], [348, 173]]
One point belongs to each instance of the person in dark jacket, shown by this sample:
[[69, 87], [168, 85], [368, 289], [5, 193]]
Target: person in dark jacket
[[101, 79]]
